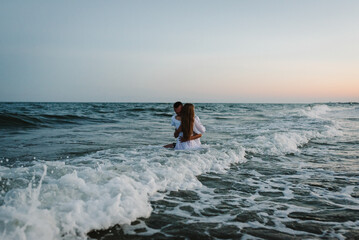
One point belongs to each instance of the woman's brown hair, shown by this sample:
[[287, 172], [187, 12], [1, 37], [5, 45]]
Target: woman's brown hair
[[187, 120]]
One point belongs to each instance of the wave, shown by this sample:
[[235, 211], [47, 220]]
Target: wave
[[68, 118], [68, 201], [16, 120], [353, 119], [163, 115], [160, 109], [290, 142], [316, 111]]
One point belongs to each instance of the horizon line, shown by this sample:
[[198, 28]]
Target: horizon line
[[323, 102]]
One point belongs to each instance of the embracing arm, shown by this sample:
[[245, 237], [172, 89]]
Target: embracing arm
[[177, 132], [193, 137]]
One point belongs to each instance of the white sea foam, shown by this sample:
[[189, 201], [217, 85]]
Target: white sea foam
[[71, 200], [316, 111], [290, 141], [282, 143]]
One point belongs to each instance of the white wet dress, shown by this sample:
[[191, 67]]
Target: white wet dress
[[192, 144]]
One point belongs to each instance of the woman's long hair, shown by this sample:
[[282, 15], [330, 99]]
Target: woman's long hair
[[187, 120]]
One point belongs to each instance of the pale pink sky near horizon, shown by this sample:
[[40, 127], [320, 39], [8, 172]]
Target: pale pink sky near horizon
[[195, 51]]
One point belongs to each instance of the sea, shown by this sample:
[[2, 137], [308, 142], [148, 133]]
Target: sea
[[99, 171]]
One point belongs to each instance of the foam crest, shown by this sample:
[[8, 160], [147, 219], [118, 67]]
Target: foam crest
[[22, 216], [316, 111], [112, 188], [281, 143], [291, 141]]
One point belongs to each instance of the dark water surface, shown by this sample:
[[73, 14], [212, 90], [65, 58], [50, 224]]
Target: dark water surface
[[98, 170]]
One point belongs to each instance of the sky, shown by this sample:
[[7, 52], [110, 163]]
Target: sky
[[265, 51]]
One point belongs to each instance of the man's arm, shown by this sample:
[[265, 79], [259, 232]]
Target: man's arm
[[177, 132], [173, 121], [198, 126]]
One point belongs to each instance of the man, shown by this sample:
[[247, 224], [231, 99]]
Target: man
[[175, 121]]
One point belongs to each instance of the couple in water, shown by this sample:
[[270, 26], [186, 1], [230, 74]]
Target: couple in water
[[189, 128]]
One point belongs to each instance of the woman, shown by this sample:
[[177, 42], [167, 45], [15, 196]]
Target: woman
[[190, 130]]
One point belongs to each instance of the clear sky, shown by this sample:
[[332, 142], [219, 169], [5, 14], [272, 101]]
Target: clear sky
[[189, 50]]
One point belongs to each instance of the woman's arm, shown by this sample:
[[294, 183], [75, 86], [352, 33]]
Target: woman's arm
[[195, 136]]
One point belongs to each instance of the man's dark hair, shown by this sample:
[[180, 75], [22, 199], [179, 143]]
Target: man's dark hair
[[177, 104]]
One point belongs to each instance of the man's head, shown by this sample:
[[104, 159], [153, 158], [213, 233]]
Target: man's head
[[177, 107]]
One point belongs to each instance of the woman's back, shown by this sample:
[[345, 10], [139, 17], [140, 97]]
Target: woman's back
[[198, 128]]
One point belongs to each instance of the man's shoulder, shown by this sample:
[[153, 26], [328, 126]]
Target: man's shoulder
[[173, 120]]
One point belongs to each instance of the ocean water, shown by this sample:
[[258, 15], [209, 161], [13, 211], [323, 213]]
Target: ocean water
[[99, 171]]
